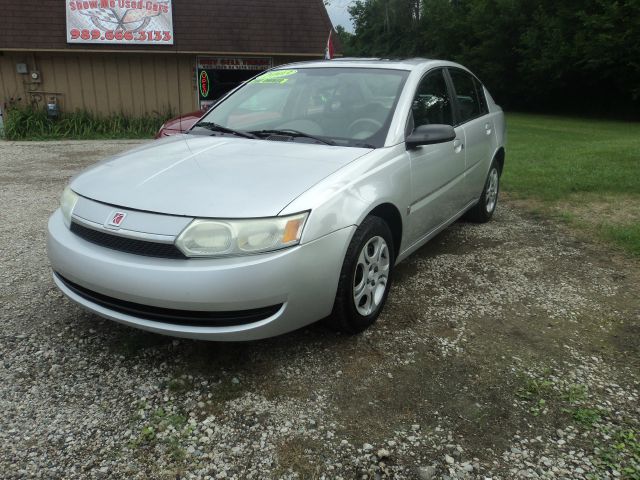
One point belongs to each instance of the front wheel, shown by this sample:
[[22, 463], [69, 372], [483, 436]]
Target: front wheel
[[365, 278], [482, 211]]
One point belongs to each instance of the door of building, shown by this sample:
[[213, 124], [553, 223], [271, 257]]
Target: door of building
[[215, 76]]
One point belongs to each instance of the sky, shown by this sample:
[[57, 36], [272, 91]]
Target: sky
[[338, 12]]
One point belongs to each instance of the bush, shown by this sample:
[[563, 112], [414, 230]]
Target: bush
[[28, 123]]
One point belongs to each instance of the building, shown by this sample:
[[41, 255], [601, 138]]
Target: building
[[143, 56]]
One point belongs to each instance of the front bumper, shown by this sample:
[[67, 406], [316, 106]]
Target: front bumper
[[303, 279]]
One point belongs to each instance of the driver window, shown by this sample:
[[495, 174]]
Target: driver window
[[432, 103]]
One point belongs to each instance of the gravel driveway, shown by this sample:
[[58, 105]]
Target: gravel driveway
[[507, 350]]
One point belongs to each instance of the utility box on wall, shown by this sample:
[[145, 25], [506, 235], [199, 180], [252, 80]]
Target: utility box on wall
[[53, 111]]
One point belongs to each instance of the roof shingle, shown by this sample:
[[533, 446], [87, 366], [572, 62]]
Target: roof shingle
[[258, 26]]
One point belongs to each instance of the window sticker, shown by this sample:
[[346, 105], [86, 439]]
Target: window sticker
[[277, 76]]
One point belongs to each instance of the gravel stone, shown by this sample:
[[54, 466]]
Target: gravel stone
[[481, 324], [427, 473]]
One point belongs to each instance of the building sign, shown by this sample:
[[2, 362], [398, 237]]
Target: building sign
[[218, 75], [234, 63], [131, 22]]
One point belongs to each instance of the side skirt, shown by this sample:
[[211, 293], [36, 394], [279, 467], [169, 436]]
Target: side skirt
[[420, 242]]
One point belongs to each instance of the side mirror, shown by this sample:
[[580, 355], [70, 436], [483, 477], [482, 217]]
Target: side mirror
[[430, 134]]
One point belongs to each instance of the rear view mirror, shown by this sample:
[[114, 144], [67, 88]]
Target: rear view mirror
[[430, 134]]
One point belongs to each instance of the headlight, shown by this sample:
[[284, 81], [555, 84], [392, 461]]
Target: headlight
[[67, 202], [213, 238]]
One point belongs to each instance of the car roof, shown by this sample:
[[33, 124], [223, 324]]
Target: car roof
[[354, 62]]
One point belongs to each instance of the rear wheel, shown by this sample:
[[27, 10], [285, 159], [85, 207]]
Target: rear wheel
[[484, 209], [365, 278]]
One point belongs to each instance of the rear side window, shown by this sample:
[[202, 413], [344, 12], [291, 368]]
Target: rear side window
[[484, 108], [466, 95]]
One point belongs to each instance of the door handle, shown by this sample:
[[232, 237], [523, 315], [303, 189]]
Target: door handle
[[487, 128], [458, 146]]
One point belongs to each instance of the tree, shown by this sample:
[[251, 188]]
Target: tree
[[346, 41], [553, 54], [386, 27]]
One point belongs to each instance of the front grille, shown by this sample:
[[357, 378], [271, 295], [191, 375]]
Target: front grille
[[128, 245], [191, 318]]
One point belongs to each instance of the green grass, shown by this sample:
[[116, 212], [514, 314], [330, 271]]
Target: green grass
[[568, 166], [627, 236], [25, 123], [553, 157]]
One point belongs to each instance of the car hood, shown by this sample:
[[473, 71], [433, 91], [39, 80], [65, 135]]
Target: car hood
[[202, 176]]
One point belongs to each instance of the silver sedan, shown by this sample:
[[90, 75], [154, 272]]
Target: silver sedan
[[290, 201]]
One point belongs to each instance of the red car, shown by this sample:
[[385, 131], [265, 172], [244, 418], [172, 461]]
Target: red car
[[179, 124]]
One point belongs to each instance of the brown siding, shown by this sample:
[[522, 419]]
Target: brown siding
[[10, 85], [103, 83]]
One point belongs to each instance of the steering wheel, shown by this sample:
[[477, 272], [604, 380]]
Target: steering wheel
[[367, 123]]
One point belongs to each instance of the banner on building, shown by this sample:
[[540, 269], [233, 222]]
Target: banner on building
[[131, 22], [234, 63]]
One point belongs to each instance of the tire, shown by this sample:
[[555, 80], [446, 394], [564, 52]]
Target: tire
[[371, 248], [482, 211]]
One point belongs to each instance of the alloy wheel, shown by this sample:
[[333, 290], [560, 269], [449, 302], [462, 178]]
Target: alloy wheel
[[371, 276], [492, 190]]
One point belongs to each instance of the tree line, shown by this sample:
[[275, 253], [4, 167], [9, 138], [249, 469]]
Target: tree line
[[576, 56]]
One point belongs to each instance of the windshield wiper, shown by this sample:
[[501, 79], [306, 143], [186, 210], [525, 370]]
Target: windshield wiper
[[293, 133], [364, 145], [219, 128]]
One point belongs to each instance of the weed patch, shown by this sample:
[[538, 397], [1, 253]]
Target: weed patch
[[622, 455], [586, 416], [294, 457], [576, 393], [164, 429], [27, 123], [181, 384]]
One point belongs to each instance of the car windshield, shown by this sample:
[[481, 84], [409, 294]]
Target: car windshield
[[339, 106]]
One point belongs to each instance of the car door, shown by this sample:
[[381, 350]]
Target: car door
[[472, 117], [437, 171]]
